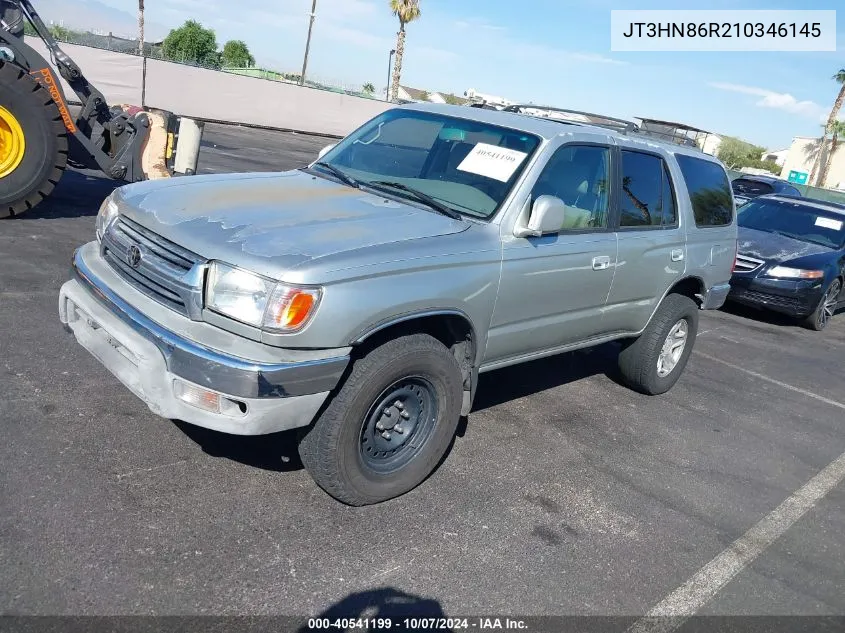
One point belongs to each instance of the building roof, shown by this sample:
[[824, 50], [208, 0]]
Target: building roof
[[415, 93], [458, 100]]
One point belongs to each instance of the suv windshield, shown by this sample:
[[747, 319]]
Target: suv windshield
[[466, 165], [800, 222]]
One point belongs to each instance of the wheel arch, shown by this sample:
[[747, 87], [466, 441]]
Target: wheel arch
[[691, 286], [453, 328]]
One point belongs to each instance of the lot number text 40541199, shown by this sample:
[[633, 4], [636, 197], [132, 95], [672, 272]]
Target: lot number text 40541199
[[415, 624]]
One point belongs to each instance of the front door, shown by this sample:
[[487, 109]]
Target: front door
[[554, 287]]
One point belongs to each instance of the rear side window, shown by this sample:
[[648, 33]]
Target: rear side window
[[709, 191], [647, 198], [743, 186]]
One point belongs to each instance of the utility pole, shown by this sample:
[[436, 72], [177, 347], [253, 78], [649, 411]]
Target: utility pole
[[389, 72], [308, 41], [141, 27]]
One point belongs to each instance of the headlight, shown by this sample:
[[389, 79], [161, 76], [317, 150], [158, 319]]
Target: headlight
[[106, 215], [794, 273], [257, 300]]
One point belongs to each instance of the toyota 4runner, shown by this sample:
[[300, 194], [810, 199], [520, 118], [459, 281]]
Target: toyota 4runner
[[359, 298]]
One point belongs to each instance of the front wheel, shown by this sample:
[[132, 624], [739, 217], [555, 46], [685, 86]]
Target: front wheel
[[824, 312], [389, 425], [653, 362]]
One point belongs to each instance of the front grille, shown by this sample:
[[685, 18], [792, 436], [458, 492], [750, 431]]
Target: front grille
[[163, 268], [773, 300], [746, 264]]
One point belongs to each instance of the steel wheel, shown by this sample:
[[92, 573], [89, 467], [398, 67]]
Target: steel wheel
[[398, 424], [12, 143], [673, 348]]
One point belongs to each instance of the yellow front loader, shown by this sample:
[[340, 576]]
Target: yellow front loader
[[40, 135]]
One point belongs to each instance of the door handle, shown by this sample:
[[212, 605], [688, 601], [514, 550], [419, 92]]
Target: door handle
[[677, 254], [601, 263]]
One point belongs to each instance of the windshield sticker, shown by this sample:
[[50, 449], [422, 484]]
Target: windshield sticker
[[492, 161], [829, 223]]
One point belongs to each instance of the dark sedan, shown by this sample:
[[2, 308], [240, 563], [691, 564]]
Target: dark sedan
[[791, 257], [748, 187]]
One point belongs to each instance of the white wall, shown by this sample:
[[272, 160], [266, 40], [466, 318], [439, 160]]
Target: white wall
[[117, 75], [208, 94], [801, 158]]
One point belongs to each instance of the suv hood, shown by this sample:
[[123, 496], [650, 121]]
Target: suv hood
[[272, 223], [773, 246]]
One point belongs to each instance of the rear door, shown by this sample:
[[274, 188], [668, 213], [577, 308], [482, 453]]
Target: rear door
[[711, 233], [652, 248]]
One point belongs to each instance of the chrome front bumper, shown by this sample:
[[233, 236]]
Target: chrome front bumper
[[147, 358]]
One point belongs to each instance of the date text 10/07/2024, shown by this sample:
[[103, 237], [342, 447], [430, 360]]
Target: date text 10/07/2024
[[415, 624]]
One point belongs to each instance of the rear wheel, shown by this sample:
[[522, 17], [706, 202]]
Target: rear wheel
[[33, 141], [389, 425], [824, 312], [652, 363]]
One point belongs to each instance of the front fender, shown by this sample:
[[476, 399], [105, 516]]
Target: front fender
[[351, 310]]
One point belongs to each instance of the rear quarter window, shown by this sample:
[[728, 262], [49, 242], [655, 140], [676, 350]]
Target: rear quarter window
[[751, 187], [709, 191]]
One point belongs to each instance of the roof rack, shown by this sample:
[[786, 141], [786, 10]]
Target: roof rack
[[599, 120]]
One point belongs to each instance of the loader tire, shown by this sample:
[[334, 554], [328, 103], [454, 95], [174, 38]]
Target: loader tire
[[30, 170]]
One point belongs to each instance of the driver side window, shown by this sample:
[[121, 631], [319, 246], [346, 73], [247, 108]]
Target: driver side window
[[579, 176]]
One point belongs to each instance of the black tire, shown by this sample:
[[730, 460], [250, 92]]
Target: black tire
[[639, 358], [45, 154], [334, 449], [822, 315]]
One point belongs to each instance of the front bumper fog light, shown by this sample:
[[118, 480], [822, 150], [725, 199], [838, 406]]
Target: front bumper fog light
[[206, 399]]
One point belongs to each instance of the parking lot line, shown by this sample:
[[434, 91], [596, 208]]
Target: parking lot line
[[671, 612], [805, 392]]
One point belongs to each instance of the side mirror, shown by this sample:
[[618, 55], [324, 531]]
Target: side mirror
[[547, 215], [326, 150]]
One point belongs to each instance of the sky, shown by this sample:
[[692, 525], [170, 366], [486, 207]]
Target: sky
[[555, 52]]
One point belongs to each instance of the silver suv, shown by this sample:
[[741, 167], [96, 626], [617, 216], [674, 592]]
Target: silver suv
[[359, 298]]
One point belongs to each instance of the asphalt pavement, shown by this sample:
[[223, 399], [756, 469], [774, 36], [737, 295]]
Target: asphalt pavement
[[566, 493]]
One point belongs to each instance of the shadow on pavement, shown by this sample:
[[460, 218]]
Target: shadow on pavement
[[526, 379], [758, 314], [385, 602], [276, 451], [78, 194], [765, 316]]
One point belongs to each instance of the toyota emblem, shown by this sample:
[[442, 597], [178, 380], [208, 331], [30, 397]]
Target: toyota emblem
[[133, 256]]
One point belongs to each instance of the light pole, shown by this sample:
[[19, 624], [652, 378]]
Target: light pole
[[389, 70], [308, 41]]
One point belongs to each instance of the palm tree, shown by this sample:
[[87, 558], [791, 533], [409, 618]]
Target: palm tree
[[141, 27], [839, 78], [407, 11], [837, 130]]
